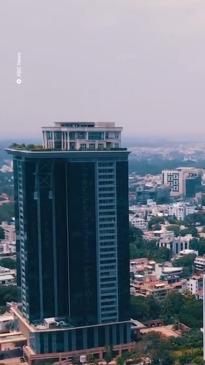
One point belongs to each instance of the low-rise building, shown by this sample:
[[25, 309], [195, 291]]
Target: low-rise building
[[7, 276], [139, 222], [195, 284], [157, 288], [175, 244], [181, 210], [8, 244], [199, 263]]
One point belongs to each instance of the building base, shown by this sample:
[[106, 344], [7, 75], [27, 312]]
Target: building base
[[62, 357], [58, 344]]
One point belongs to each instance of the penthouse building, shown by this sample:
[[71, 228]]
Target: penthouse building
[[72, 239], [82, 136]]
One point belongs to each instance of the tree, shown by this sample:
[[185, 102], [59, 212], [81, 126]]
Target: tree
[[134, 233], [8, 293], [6, 212], [198, 360], [190, 230], [165, 358], [191, 313], [187, 263], [172, 305], [139, 247], [193, 219], [109, 354], [2, 234], [198, 245], [155, 221], [174, 228], [144, 309], [8, 263], [173, 220], [139, 308]]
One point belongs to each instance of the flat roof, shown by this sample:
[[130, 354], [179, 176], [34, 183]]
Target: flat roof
[[45, 153], [83, 124], [6, 277], [167, 270], [12, 337], [43, 328]]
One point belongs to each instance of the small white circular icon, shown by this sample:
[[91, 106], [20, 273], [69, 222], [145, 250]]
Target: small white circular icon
[[19, 81]]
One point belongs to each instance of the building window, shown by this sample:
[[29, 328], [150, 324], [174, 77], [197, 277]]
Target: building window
[[83, 146], [92, 146], [57, 135], [95, 135]]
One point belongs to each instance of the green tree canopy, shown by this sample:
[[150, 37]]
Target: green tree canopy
[[2, 234], [8, 263]]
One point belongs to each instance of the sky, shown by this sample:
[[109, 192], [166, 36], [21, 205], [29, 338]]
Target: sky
[[140, 63]]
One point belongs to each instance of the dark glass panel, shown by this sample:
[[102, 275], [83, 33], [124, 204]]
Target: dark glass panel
[[123, 244]]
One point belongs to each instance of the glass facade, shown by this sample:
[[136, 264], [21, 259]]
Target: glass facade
[[72, 244], [80, 338], [122, 238], [82, 242]]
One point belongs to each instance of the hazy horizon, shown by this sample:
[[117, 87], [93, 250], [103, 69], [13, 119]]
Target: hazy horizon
[[138, 63]]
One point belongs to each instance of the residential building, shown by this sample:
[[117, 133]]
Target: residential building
[[195, 284], [157, 288], [72, 240], [181, 210], [8, 244], [139, 222], [177, 210], [199, 263], [7, 276]]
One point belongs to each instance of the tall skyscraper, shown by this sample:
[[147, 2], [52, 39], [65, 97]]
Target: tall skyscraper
[[72, 238]]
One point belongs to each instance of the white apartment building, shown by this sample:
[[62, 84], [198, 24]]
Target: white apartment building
[[199, 263], [82, 136], [8, 244], [180, 210], [9, 231], [194, 284], [7, 276], [139, 222]]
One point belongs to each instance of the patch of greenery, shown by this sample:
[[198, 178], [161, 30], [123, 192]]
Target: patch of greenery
[[27, 147], [187, 262], [8, 263], [198, 245], [6, 212], [167, 351], [2, 234], [174, 308], [8, 293], [139, 247]]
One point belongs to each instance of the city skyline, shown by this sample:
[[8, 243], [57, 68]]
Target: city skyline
[[136, 63]]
